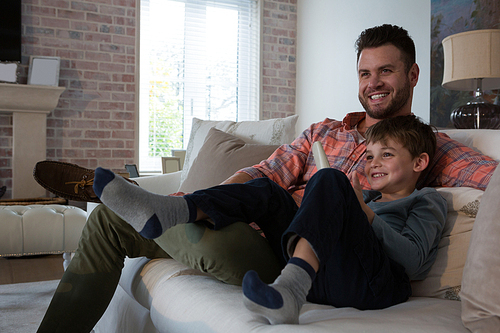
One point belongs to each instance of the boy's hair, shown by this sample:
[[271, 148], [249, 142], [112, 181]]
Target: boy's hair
[[409, 131], [388, 34]]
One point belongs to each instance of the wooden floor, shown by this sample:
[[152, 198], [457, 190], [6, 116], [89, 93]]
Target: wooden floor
[[31, 269]]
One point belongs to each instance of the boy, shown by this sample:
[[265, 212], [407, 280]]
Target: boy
[[338, 249]]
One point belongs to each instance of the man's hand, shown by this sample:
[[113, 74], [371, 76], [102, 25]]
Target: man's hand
[[358, 189]]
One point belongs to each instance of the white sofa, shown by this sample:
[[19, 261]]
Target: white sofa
[[163, 295]]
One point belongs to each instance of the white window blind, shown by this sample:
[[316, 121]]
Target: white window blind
[[198, 58]]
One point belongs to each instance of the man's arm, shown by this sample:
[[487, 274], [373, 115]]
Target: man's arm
[[457, 165], [277, 167], [239, 177], [289, 163]]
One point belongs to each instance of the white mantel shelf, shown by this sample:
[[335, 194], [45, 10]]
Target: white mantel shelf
[[29, 105]]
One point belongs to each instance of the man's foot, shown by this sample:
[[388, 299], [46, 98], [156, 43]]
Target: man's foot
[[66, 180], [281, 301], [150, 214]]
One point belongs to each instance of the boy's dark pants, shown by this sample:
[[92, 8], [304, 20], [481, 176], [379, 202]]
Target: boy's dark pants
[[354, 271]]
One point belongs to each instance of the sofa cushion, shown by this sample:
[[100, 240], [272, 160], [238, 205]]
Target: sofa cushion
[[221, 155], [201, 304], [445, 277], [480, 290], [269, 132]]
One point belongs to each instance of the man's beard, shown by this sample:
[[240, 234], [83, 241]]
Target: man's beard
[[394, 106]]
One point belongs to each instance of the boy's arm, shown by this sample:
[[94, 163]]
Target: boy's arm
[[415, 245]]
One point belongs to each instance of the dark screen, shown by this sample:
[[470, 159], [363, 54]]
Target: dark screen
[[10, 30]]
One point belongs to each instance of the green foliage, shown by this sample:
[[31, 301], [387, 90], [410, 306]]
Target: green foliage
[[166, 113]]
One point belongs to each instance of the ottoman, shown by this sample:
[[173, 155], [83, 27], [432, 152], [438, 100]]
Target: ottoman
[[40, 226]]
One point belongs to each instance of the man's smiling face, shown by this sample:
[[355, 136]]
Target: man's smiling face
[[385, 89]]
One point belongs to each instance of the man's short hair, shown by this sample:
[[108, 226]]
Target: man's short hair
[[388, 34], [411, 132]]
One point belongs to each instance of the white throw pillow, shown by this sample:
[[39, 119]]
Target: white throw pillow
[[267, 132], [445, 277]]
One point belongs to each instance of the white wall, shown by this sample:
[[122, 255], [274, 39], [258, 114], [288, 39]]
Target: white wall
[[327, 83]]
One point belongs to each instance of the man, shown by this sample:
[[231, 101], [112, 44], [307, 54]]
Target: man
[[395, 228], [387, 75]]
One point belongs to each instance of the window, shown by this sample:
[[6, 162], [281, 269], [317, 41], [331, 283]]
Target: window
[[198, 58]]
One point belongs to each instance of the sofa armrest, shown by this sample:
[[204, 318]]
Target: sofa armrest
[[162, 184]]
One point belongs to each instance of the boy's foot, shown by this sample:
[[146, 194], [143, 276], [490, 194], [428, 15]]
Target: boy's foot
[[281, 301], [148, 213]]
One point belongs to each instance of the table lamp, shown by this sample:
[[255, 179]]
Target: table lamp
[[472, 63]]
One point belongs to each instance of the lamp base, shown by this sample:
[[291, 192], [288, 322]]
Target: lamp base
[[476, 115]]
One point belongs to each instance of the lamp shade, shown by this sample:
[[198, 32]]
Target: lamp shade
[[472, 55]]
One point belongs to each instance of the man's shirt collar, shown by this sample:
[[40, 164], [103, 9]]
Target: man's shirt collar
[[352, 119]]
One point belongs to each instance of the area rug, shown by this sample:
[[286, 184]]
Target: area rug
[[22, 305]]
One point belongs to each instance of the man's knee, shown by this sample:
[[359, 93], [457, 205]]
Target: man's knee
[[105, 227], [102, 216], [100, 210]]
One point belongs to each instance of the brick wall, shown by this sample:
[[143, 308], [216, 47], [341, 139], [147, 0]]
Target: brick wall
[[94, 123], [278, 53]]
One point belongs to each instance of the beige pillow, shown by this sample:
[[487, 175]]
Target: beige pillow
[[266, 132], [445, 277], [480, 285], [221, 156]]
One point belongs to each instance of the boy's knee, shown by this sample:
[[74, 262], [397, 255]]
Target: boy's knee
[[261, 182], [330, 174]]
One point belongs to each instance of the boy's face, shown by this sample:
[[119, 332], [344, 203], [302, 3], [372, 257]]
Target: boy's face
[[390, 168]]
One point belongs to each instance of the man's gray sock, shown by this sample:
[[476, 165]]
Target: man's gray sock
[[281, 301], [149, 213]]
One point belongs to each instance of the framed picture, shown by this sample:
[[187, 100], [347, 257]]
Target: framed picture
[[44, 71], [8, 72], [132, 170], [170, 164]]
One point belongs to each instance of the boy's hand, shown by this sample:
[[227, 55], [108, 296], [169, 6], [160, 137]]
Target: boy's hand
[[357, 186], [358, 189]]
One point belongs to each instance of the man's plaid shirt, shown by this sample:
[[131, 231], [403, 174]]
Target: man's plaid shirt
[[291, 166]]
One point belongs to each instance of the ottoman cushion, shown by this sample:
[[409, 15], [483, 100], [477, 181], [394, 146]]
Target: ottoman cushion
[[40, 229]]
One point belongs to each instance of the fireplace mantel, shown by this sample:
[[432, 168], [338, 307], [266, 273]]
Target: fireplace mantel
[[29, 105]]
